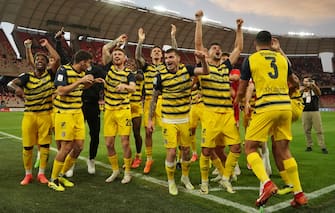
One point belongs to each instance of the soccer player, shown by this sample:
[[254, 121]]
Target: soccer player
[[196, 115], [119, 83], [136, 106], [175, 86], [219, 128], [273, 114], [150, 71], [70, 81], [90, 99], [297, 108], [37, 88]]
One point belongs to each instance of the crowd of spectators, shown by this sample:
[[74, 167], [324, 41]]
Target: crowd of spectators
[[10, 66]]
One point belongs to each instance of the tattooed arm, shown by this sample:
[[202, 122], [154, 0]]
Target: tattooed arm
[[153, 104]]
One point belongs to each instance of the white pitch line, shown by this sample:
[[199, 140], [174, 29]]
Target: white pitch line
[[216, 199], [236, 188], [4, 138], [310, 196]]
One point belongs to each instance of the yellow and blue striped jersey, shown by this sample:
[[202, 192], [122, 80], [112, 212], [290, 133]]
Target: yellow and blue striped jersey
[[117, 99], [136, 97], [215, 88], [269, 71], [37, 91], [71, 102], [150, 71], [176, 92]]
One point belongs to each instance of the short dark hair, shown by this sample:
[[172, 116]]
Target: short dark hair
[[119, 49], [156, 46], [308, 76], [81, 55], [41, 54], [225, 54], [264, 37], [172, 50], [214, 43]]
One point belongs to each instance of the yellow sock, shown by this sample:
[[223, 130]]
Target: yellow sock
[[148, 152], [170, 168], [185, 168], [257, 166], [284, 177], [27, 159], [218, 164], [114, 161], [44, 155], [291, 168], [138, 155], [68, 163], [57, 167], [127, 163], [231, 161], [204, 167], [179, 155]]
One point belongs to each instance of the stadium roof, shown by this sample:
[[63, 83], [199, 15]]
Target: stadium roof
[[97, 18]]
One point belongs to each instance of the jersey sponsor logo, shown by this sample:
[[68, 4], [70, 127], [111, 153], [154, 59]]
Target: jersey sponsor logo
[[60, 77], [154, 81], [128, 122]]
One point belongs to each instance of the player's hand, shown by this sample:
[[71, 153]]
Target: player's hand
[[200, 54], [275, 45], [247, 109], [44, 42], [199, 14], [60, 33], [19, 92], [27, 43], [99, 80], [122, 38], [87, 79], [173, 30], [141, 35], [239, 23], [121, 87], [151, 126]]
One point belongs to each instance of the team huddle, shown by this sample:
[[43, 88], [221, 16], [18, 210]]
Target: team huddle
[[176, 97]]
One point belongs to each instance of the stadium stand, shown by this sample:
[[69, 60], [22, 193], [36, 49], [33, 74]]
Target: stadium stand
[[91, 27]]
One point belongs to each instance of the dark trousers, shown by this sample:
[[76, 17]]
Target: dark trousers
[[92, 116]]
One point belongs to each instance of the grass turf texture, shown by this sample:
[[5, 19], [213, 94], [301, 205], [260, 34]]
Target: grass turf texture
[[92, 194]]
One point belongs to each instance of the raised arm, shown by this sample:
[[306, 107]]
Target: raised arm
[[53, 53], [64, 58], [106, 55], [275, 45], [198, 31], [173, 36], [235, 54], [315, 88], [204, 69], [138, 52], [153, 104], [29, 54]]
